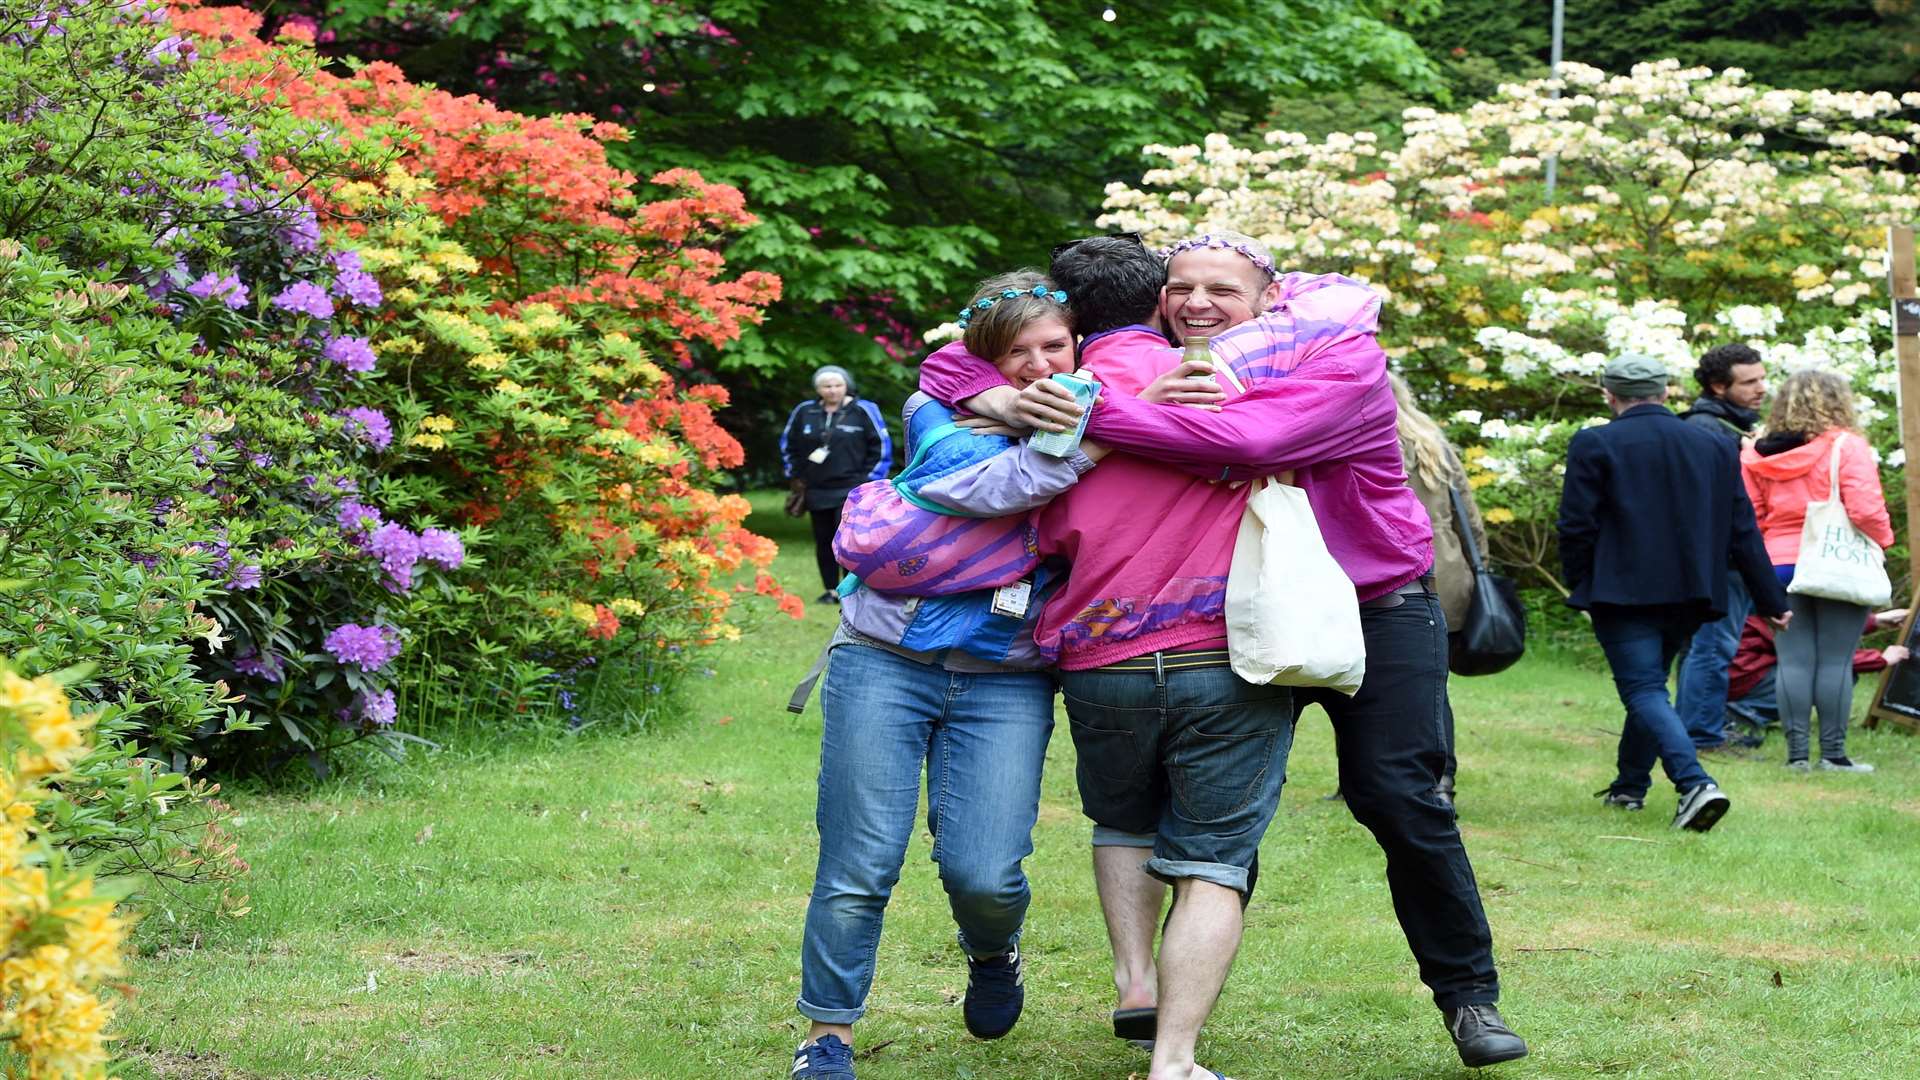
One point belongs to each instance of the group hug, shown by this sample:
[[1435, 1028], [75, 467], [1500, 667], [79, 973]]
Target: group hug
[[1006, 561]]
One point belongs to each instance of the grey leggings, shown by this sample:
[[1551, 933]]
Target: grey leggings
[[1816, 672]]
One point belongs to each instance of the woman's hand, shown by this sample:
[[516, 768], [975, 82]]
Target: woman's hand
[[1046, 406], [1895, 653], [1186, 385]]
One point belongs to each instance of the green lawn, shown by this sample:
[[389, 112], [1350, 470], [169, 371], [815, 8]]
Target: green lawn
[[631, 907]]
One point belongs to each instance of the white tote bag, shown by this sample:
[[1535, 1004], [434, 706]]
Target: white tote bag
[[1293, 618], [1838, 561]]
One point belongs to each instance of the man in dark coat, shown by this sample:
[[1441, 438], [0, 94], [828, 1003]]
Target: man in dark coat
[[1651, 514], [1733, 383]]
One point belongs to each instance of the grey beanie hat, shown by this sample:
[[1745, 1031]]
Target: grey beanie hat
[[833, 369], [1635, 375]]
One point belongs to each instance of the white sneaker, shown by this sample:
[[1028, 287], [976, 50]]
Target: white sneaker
[[1841, 764], [1799, 765]]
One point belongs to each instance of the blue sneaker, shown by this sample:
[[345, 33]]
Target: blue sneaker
[[826, 1059], [995, 994]]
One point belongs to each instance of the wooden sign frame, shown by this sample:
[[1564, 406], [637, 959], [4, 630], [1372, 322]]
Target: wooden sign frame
[[1905, 295], [1907, 719]]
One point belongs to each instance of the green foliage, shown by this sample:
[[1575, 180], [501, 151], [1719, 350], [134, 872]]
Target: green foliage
[[896, 153], [104, 540], [1806, 44]]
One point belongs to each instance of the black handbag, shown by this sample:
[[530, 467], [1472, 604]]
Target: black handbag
[[1495, 634]]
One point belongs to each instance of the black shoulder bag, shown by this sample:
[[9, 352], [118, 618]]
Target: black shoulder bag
[[1495, 634]]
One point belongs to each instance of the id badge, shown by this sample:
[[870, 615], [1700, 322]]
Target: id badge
[[1011, 600], [819, 455]]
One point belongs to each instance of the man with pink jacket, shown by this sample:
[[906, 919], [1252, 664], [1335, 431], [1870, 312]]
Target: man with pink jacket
[[1150, 535]]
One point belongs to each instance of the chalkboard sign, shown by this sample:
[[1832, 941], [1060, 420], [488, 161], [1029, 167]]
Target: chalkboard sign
[[1898, 700]]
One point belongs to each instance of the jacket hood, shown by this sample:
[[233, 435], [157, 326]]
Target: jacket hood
[[1794, 463]]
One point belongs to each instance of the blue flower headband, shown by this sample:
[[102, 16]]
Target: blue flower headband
[[1208, 240], [985, 302]]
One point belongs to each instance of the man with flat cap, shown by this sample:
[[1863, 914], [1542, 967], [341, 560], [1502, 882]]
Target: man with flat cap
[[1651, 514]]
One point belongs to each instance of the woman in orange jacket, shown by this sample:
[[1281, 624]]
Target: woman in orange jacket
[[1785, 470]]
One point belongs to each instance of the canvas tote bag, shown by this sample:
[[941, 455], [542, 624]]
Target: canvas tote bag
[[1838, 561], [1293, 618]]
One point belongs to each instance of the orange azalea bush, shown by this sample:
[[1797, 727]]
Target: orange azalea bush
[[534, 356]]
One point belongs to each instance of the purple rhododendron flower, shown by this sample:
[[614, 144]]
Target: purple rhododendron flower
[[398, 549], [369, 426], [260, 666], [346, 259], [358, 288], [305, 298], [378, 708], [358, 520], [302, 233], [352, 353], [246, 576], [227, 289], [173, 49], [442, 547], [369, 648]]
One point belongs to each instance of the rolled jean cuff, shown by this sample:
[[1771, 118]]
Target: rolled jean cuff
[[1106, 836], [972, 953], [830, 1016], [1221, 874]]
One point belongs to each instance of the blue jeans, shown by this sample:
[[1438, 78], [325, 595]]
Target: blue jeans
[[983, 742], [1702, 690], [1759, 707], [1640, 644], [1183, 749]]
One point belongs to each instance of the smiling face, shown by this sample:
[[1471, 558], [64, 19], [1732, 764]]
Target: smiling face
[[1043, 347], [1211, 289]]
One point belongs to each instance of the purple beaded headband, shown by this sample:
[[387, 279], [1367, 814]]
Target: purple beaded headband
[[1208, 240]]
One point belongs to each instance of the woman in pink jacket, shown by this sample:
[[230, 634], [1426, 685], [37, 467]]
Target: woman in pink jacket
[[1788, 468]]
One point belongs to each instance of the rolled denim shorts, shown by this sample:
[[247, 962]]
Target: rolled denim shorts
[[1176, 745]]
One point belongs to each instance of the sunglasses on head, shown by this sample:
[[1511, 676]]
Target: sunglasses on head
[[1061, 249]]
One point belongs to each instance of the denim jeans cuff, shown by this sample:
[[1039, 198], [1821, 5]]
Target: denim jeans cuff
[[1012, 943], [1462, 998], [1172, 870], [830, 1016], [1103, 836]]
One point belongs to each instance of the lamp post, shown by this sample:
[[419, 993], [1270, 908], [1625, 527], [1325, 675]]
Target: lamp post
[[1553, 72]]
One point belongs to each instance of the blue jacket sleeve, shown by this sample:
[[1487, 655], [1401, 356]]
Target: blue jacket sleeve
[[881, 470], [787, 464]]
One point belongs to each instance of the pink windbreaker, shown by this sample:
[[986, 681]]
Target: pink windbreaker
[[1783, 484]]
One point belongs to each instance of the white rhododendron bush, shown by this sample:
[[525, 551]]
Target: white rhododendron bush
[[1692, 208]]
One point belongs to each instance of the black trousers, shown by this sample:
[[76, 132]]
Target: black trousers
[[1394, 743], [825, 524]]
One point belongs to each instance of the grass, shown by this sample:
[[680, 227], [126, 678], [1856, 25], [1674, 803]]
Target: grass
[[631, 907]]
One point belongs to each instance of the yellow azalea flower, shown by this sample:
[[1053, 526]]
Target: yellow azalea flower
[[405, 294], [1499, 515], [437, 423], [508, 386], [628, 606], [430, 442], [424, 274], [582, 611], [490, 361]]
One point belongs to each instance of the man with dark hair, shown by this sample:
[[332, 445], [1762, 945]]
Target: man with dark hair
[[1110, 282], [1652, 513], [1733, 383]]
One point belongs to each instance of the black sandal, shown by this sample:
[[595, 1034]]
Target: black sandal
[[1137, 1026]]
